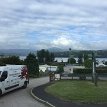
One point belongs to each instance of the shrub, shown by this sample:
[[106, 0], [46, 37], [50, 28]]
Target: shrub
[[82, 71], [89, 71]]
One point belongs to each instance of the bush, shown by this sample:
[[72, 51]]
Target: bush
[[101, 71], [89, 71], [10, 60], [82, 71], [2, 64]]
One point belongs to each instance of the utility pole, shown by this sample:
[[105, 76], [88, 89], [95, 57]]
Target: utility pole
[[94, 76]]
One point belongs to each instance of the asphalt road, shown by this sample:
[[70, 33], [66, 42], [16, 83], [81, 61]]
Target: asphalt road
[[22, 97]]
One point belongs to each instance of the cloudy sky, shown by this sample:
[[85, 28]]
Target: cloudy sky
[[38, 24]]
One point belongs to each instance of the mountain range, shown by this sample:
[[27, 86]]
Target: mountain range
[[25, 52], [57, 51], [17, 52]]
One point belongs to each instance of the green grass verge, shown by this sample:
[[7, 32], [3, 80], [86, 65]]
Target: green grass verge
[[82, 91]]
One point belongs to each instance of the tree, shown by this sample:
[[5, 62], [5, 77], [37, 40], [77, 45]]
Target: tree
[[11, 60], [52, 57], [80, 59], [2, 64], [105, 63], [72, 61], [88, 63], [60, 69], [32, 64], [44, 56], [86, 57]]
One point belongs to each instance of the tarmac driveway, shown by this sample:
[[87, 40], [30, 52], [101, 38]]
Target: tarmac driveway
[[22, 97]]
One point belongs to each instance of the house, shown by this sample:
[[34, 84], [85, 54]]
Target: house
[[43, 68], [48, 68], [101, 65], [52, 68], [69, 68]]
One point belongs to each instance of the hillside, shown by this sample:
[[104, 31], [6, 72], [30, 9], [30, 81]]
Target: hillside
[[57, 51], [17, 52]]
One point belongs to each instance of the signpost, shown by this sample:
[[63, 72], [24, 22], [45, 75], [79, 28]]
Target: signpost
[[51, 74]]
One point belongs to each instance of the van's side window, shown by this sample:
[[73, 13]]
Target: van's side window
[[4, 74]]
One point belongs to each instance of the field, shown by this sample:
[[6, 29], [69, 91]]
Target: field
[[79, 91]]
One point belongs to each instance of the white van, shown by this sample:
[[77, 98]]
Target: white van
[[12, 77]]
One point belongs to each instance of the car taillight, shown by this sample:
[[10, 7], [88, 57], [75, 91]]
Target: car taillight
[[24, 72]]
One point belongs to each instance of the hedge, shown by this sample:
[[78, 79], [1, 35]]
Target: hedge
[[82, 71], [89, 71]]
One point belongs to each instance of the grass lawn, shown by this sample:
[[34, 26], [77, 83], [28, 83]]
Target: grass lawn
[[82, 91]]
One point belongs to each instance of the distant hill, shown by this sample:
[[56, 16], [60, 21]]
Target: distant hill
[[102, 53], [76, 53], [55, 49], [17, 52]]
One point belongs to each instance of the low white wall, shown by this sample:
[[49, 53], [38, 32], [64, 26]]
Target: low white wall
[[69, 68]]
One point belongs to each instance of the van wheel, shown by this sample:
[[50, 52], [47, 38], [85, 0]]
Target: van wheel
[[0, 92], [25, 85]]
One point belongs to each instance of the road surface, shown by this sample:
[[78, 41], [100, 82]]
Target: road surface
[[22, 97]]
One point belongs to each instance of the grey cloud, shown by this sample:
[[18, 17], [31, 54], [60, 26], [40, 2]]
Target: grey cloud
[[51, 18]]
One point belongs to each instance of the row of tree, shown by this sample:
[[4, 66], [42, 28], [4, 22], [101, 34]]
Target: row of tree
[[32, 61], [83, 59], [10, 60], [44, 56]]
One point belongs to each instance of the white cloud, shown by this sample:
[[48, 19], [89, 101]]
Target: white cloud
[[62, 41], [67, 41]]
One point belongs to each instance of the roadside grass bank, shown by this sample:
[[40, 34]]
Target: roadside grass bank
[[79, 91]]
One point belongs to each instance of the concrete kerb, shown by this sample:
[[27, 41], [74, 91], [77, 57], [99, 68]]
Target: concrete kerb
[[40, 100]]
